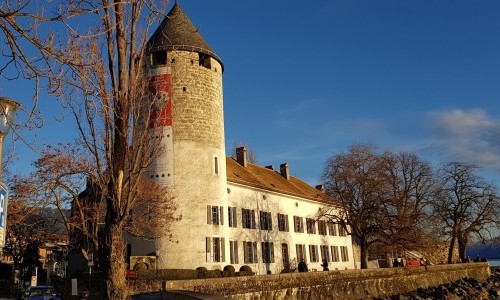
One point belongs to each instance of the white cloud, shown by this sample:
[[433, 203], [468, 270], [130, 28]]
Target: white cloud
[[471, 136]]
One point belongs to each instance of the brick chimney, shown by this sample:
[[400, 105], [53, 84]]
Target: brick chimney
[[241, 156], [285, 171]]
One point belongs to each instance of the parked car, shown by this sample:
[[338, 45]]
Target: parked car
[[41, 292]]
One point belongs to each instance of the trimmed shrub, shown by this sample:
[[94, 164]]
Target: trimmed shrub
[[245, 271], [178, 274], [201, 272], [245, 268], [167, 274], [213, 274], [229, 271]]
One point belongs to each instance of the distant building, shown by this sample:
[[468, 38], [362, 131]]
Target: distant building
[[233, 212]]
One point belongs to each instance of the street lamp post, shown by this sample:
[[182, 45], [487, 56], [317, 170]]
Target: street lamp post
[[8, 109]]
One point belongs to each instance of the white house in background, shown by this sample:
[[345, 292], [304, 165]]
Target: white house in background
[[233, 212]]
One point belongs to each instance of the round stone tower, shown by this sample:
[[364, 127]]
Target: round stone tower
[[185, 76]]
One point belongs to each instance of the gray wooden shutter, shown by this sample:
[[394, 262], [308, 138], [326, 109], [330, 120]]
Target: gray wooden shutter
[[221, 215], [253, 219], [236, 261], [209, 214], [223, 250], [255, 258], [272, 252]]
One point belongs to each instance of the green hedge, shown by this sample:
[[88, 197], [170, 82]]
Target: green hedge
[[167, 274], [186, 274]]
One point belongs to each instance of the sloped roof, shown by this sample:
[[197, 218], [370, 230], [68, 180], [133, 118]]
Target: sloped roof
[[268, 179], [177, 32]]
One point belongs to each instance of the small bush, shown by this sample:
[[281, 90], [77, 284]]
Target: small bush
[[201, 272], [213, 274], [245, 268], [245, 273], [229, 271], [167, 274]]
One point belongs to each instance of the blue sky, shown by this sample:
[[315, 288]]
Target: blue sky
[[305, 79]]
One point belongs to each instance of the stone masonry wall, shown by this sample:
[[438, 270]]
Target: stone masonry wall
[[348, 284], [197, 109]]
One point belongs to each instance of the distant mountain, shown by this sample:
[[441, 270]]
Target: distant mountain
[[489, 249]]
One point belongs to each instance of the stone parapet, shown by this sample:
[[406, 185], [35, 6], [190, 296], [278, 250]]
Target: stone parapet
[[348, 284]]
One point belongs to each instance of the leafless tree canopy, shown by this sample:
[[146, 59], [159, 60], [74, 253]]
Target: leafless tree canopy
[[354, 180], [466, 204], [90, 55], [409, 186], [386, 197]]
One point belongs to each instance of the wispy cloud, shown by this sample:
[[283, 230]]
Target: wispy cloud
[[471, 136]]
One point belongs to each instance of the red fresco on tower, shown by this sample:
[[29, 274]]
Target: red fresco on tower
[[160, 93]]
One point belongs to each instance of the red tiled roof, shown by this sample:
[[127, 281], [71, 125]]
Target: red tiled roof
[[268, 179]]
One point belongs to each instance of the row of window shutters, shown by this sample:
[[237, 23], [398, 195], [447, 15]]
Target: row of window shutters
[[215, 252], [215, 215]]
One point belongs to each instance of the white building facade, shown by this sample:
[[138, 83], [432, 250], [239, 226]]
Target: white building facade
[[232, 212]]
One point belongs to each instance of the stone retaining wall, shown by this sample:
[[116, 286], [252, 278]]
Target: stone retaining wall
[[348, 284]]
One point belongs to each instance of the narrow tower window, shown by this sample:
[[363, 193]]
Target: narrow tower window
[[204, 60], [216, 165]]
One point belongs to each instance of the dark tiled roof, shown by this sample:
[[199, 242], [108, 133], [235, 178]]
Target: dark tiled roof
[[177, 32], [267, 179]]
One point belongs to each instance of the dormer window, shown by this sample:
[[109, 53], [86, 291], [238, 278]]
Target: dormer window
[[159, 58]]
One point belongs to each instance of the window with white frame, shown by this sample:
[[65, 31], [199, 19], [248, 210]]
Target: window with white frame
[[343, 253], [232, 219], [250, 252], [313, 253], [266, 222], [215, 215], [301, 251], [283, 222], [233, 252], [342, 231], [267, 252], [335, 253], [325, 254], [215, 249], [298, 223], [322, 227], [248, 218], [332, 228], [311, 226]]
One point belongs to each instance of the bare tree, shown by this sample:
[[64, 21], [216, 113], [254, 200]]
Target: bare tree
[[23, 228], [354, 179], [91, 53], [466, 204], [30, 226], [57, 181], [409, 184]]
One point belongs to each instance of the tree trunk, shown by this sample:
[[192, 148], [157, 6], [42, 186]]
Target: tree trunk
[[114, 262], [363, 249], [451, 248], [462, 241]]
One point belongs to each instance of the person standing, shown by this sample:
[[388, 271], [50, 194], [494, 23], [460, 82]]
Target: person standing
[[302, 266], [325, 265]]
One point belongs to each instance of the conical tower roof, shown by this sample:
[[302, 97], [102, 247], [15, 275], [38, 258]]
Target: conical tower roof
[[177, 32]]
